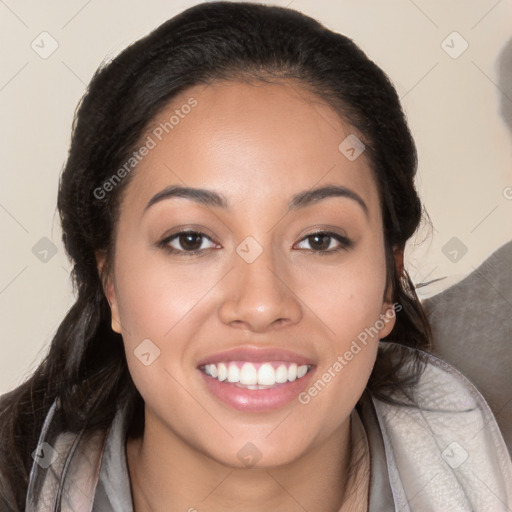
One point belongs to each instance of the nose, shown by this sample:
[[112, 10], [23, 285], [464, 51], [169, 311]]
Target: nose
[[258, 297]]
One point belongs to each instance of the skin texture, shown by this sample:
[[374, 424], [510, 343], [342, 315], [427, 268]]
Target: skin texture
[[258, 145]]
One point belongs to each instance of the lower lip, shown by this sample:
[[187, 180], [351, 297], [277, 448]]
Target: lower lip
[[256, 400]]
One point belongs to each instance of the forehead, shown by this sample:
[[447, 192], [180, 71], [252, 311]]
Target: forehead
[[249, 140]]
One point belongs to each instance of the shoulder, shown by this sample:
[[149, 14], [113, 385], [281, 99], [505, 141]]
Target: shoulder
[[442, 443], [65, 466]]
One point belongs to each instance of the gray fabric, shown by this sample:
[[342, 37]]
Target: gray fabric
[[472, 330], [69, 482], [380, 497], [113, 493]]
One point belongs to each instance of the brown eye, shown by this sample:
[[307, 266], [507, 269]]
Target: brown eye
[[187, 242], [190, 241], [319, 242], [325, 242]]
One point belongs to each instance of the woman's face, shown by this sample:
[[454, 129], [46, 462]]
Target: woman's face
[[218, 323]]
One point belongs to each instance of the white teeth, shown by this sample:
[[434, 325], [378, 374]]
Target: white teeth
[[222, 371], [266, 375], [248, 375], [213, 370], [281, 374], [301, 371], [292, 372], [251, 377], [233, 373]]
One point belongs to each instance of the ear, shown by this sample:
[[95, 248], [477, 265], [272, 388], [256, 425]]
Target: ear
[[109, 289], [388, 313]]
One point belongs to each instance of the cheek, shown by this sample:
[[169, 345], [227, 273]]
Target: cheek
[[347, 297], [348, 300], [155, 296], [153, 303]]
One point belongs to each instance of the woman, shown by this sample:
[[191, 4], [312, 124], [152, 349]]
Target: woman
[[236, 202]]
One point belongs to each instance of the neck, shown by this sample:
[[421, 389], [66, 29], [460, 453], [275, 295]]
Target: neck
[[168, 474]]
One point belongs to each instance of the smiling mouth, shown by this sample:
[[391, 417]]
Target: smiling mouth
[[256, 376]]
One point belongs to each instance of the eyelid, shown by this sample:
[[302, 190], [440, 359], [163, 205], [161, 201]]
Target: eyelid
[[164, 243], [325, 229], [190, 228], [344, 241]]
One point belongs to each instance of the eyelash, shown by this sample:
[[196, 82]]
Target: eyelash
[[345, 243]]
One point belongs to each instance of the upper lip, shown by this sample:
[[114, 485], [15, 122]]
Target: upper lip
[[255, 354]]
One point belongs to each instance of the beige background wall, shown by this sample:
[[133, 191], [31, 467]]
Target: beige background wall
[[455, 108]]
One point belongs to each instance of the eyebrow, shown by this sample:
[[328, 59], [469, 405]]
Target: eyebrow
[[303, 199], [199, 195], [211, 198]]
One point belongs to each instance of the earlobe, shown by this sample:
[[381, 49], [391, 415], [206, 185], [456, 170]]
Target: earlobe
[[114, 309], [109, 291], [388, 313], [387, 319]]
